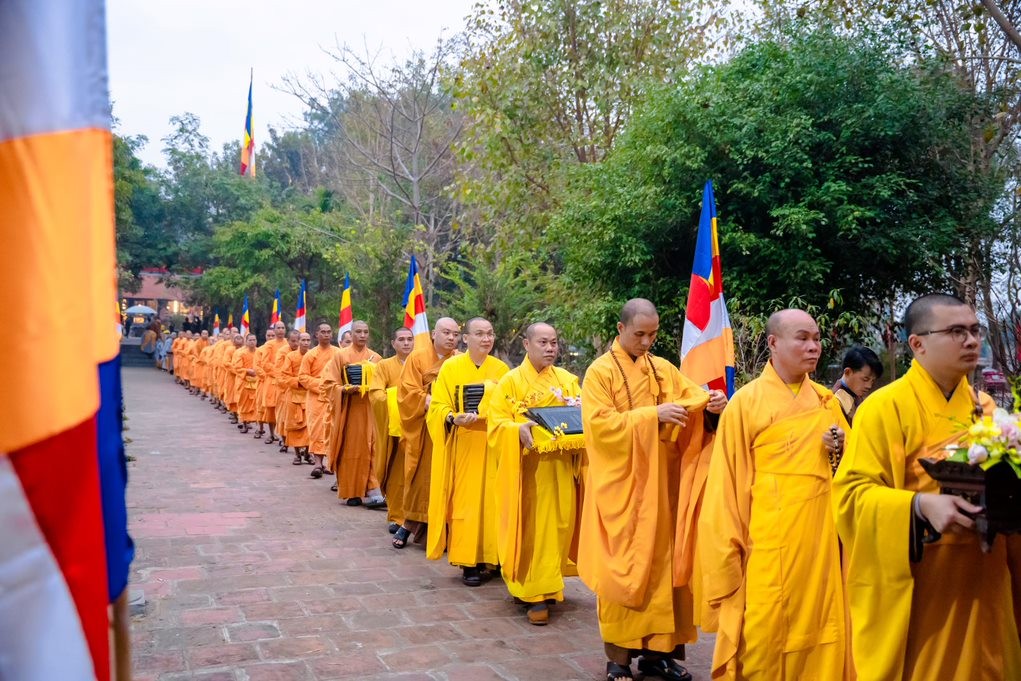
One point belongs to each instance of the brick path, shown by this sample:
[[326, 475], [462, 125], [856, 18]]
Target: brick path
[[252, 571]]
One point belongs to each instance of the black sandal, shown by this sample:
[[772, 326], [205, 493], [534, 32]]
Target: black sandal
[[317, 472], [401, 537], [392, 528], [664, 668], [616, 672], [297, 460]]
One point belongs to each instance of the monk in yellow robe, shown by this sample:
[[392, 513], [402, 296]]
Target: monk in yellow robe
[[181, 358], [768, 546], [462, 512], [946, 610], [230, 378], [352, 430], [413, 397], [243, 366], [647, 449], [295, 425], [198, 371], [282, 397], [317, 404], [389, 461], [536, 491]]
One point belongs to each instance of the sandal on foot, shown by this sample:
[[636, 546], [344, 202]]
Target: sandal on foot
[[392, 528], [375, 503], [538, 614], [296, 461], [245, 429], [401, 537], [308, 459], [317, 472], [259, 433], [270, 440], [333, 488], [283, 449], [471, 577], [616, 672], [664, 668]]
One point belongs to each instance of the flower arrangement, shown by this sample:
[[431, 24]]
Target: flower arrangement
[[569, 401], [990, 440]]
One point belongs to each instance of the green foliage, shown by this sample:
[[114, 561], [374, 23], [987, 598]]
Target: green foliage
[[836, 169]]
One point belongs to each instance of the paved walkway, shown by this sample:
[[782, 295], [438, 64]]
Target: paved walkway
[[252, 571]]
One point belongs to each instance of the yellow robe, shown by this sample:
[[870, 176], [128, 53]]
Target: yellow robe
[[206, 360], [951, 616], [296, 430], [228, 378], [417, 377], [642, 486], [768, 547], [282, 391], [462, 514], [351, 441], [389, 461], [246, 386], [536, 493], [317, 405]]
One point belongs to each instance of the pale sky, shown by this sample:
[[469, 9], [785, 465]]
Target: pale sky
[[168, 57]]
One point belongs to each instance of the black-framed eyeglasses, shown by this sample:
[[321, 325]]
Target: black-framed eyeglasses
[[959, 333]]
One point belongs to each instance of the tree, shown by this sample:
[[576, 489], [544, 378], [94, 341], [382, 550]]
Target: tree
[[137, 212], [836, 168]]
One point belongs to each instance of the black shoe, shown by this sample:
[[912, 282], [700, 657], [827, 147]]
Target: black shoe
[[353, 501], [392, 528], [664, 668], [333, 487], [471, 577], [615, 672]]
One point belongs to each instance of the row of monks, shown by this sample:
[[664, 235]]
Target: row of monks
[[813, 549]]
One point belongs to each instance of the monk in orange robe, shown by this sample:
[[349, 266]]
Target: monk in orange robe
[[219, 351], [230, 382], [260, 383], [181, 358], [206, 360], [352, 431], [276, 342], [413, 398], [648, 441], [295, 425], [317, 405], [389, 461], [283, 399], [198, 367], [243, 366]]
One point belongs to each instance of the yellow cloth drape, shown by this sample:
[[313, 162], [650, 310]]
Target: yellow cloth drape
[[352, 431]]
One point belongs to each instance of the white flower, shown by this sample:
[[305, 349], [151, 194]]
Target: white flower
[[1002, 417], [977, 454]]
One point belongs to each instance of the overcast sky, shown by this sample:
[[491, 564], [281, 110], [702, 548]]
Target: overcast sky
[[168, 57]]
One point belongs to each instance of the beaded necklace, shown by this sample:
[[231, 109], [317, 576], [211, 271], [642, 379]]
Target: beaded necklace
[[627, 387]]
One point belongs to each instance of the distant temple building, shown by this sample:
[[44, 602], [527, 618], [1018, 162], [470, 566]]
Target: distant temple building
[[163, 292]]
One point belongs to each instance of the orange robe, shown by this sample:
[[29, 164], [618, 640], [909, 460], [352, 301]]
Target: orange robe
[[317, 406], [206, 360], [642, 486], [219, 352], [768, 546], [389, 455], [260, 379], [246, 386], [352, 432], [175, 350], [268, 380], [296, 430], [279, 382], [417, 376], [227, 379]]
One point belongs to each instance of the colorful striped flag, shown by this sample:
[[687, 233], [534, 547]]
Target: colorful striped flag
[[346, 313], [248, 145], [414, 307], [707, 344], [274, 316], [230, 321], [299, 315], [65, 552], [246, 320], [216, 323]]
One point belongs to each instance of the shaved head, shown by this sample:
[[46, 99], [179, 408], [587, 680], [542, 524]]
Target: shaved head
[[539, 328], [473, 320], [781, 323], [795, 344], [635, 307], [398, 332], [918, 316], [446, 335], [445, 323]]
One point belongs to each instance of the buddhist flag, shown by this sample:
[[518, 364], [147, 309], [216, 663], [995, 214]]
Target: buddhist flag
[[274, 316], [299, 315], [414, 307], [246, 320], [707, 346], [65, 552], [216, 324], [346, 314], [230, 321], [248, 143]]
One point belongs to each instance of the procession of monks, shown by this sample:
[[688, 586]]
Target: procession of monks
[[813, 549]]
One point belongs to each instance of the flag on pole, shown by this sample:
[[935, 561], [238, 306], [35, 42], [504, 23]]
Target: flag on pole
[[65, 552], [230, 321], [246, 321], [707, 344], [414, 307], [248, 144], [299, 315], [346, 313], [274, 316], [216, 323]]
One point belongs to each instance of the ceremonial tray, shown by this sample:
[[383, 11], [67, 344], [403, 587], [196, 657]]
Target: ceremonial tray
[[565, 420], [997, 490]]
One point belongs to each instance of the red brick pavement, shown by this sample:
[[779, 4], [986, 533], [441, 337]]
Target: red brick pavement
[[252, 571]]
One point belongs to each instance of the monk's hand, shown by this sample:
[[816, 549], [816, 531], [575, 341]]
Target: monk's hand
[[833, 439], [428, 399], [717, 401], [465, 419], [946, 512], [672, 413], [525, 434], [351, 388]]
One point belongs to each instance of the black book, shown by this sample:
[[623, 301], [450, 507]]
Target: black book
[[468, 397], [551, 418], [353, 374]]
